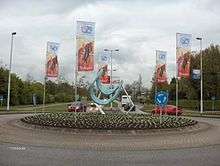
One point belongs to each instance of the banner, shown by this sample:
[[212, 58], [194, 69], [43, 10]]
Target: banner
[[85, 45], [105, 79], [52, 67], [161, 74], [183, 49]]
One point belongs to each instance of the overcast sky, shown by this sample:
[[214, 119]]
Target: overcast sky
[[136, 28]]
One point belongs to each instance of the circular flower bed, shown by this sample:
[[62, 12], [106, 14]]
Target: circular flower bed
[[108, 121]]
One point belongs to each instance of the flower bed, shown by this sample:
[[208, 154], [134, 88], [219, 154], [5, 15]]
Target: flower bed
[[108, 121]]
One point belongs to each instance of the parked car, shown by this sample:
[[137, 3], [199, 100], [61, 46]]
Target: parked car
[[125, 100], [93, 108], [169, 110], [128, 106], [77, 107]]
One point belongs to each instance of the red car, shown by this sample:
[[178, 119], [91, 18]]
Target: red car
[[77, 107], [169, 110]]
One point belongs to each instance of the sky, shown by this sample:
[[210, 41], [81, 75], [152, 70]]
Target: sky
[[137, 28]]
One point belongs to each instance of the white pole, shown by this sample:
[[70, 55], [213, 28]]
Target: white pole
[[176, 82], [160, 115], [76, 74], [111, 74], [155, 90], [201, 77], [45, 79], [9, 72], [201, 81], [44, 95]]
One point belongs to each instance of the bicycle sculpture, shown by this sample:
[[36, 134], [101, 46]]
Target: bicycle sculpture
[[108, 93]]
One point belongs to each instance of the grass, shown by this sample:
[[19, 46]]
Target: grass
[[55, 107], [186, 112]]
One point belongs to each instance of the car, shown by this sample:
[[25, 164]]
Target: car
[[125, 100], [93, 108], [128, 106], [77, 107], [169, 110]]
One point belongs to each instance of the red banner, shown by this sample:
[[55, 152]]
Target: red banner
[[52, 67], [105, 79], [183, 56], [161, 74], [85, 40], [86, 57]]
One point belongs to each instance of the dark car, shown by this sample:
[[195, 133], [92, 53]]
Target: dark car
[[128, 106], [77, 107], [169, 110]]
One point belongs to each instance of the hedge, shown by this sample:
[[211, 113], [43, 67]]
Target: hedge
[[195, 104]]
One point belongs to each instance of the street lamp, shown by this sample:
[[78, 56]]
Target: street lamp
[[111, 52], [9, 73], [201, 76]]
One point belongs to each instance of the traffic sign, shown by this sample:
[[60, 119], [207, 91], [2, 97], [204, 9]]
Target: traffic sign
[[161, 98], [196, 74], [1, 97]]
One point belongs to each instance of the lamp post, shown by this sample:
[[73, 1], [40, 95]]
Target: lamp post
[[111, 53], [201, 77], [9, 72]]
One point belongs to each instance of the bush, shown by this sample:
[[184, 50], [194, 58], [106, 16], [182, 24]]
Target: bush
[[108, 121], [195, 104]]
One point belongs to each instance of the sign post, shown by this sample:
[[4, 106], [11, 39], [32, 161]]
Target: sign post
[[213, 103], [34, 102], [1, 99], [161, 100]]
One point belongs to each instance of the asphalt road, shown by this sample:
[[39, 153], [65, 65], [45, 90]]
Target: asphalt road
[[13, 153], [20, 155]]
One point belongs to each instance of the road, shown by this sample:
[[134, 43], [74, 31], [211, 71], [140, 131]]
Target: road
[[15, 150]]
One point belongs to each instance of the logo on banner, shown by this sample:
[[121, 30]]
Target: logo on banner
[[86, 29], [162, 56], [104, 58], [184, 41]]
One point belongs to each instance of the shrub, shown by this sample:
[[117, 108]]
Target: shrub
[[108, 121]]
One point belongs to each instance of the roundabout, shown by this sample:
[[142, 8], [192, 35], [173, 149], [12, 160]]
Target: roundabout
[[13, 130], [105, 145]]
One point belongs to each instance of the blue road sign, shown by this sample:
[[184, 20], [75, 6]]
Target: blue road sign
[[161, 98], [1, 97], [196, 74]]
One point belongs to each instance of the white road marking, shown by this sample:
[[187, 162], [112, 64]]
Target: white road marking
[[17, 148]]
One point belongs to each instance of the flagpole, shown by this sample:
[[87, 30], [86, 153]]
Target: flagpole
[[155, 91], [45, 79], [177, 93], [201, 77], [9, 71], [44, 97], [76, 73]]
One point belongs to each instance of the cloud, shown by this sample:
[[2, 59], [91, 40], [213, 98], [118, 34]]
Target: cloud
[[136, 28]]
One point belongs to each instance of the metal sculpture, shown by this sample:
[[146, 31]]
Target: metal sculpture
[[106, 90], [96, 89]]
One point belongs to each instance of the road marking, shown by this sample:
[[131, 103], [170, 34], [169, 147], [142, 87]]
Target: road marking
[[17, 148]]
